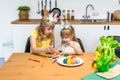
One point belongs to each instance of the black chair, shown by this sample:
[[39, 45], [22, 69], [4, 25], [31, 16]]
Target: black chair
[[116, 38], [81, 44], [27, 47], [117, 52]]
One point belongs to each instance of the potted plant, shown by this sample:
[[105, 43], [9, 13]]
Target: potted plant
[[23, 12]]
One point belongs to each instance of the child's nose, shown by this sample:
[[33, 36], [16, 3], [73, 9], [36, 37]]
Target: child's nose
[[64, 39], [50, 31]]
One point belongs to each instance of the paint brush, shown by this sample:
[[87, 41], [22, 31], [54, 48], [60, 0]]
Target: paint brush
[[34, 60], [54, 61]]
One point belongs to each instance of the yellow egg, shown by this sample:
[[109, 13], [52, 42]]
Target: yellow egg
[[69, 61], [95, 65]]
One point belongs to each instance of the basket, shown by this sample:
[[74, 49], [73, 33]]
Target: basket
[[116, 15]]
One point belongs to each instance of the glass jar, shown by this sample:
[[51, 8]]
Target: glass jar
[[68, 14], [72, 15], [63, 15]]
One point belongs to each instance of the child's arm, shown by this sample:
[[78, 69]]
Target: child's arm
[[37, 50], [76, 47]]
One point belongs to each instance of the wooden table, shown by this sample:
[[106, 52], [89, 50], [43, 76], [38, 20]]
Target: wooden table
[[19, 67]]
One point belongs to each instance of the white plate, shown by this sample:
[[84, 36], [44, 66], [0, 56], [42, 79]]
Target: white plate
[[60, 61]]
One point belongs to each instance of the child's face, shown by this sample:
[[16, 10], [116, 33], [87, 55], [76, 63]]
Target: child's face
[[66, 39], [48, 31]]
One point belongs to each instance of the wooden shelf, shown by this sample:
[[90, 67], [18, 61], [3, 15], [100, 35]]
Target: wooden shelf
[[37, 21], [30, 21]]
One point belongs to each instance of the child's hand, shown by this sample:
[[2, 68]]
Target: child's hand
[[49, 49], [71, 43], [56, 51]]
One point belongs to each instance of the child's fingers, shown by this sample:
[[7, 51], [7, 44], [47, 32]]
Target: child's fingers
[[50, 49]]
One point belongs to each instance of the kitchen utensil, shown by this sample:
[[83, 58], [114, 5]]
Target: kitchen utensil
[[45, 11], [46, 2], [42, 8], [109, 16], [50, 6], [56, 10], [38, 12]]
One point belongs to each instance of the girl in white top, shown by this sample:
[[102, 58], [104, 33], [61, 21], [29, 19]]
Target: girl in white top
[[69, 42]]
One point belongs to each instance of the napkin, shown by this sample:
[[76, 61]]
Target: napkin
[[113, 72], [95, 76]]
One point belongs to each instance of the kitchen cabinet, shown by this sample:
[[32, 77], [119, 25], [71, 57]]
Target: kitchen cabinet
[[113, 30], [20, 35], [22, 32], [57, 35], [90, 34]]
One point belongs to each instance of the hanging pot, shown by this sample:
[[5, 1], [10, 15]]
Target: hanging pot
[[56, 10]]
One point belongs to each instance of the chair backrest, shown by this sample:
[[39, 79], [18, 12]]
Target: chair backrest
[[117, 51], [81, 44], [27, 47], [116, 38]]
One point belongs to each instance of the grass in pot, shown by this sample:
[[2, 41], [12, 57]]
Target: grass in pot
[[23, 12]]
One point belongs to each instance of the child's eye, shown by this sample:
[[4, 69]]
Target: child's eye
[[65, 37]]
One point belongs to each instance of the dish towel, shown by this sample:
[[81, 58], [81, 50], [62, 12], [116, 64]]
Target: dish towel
[[115, 75]]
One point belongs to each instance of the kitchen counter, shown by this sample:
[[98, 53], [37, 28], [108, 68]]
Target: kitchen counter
[[37, 21]]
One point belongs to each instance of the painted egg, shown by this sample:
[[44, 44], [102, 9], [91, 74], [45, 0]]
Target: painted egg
[[65, 61], [73, 62], [66, 54], [77, 61], [69, 61], [73, 57]]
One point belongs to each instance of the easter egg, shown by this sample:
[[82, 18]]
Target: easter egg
[[69, 61], [66, 54], [65, 61], [73, 57], [77, 61], [73, 62]]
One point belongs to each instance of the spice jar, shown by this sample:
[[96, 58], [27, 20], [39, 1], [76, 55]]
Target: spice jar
[[63, 14], [68, 14], [72, 15]]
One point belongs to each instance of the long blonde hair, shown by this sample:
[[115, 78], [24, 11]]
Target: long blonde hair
[[68, 32], [41, 29]]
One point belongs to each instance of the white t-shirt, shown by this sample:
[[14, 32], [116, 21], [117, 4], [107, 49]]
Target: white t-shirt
[[67, 48]]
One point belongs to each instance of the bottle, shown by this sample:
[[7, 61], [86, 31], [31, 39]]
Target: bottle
[[68, 14], [63, 14], [72, 15]]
